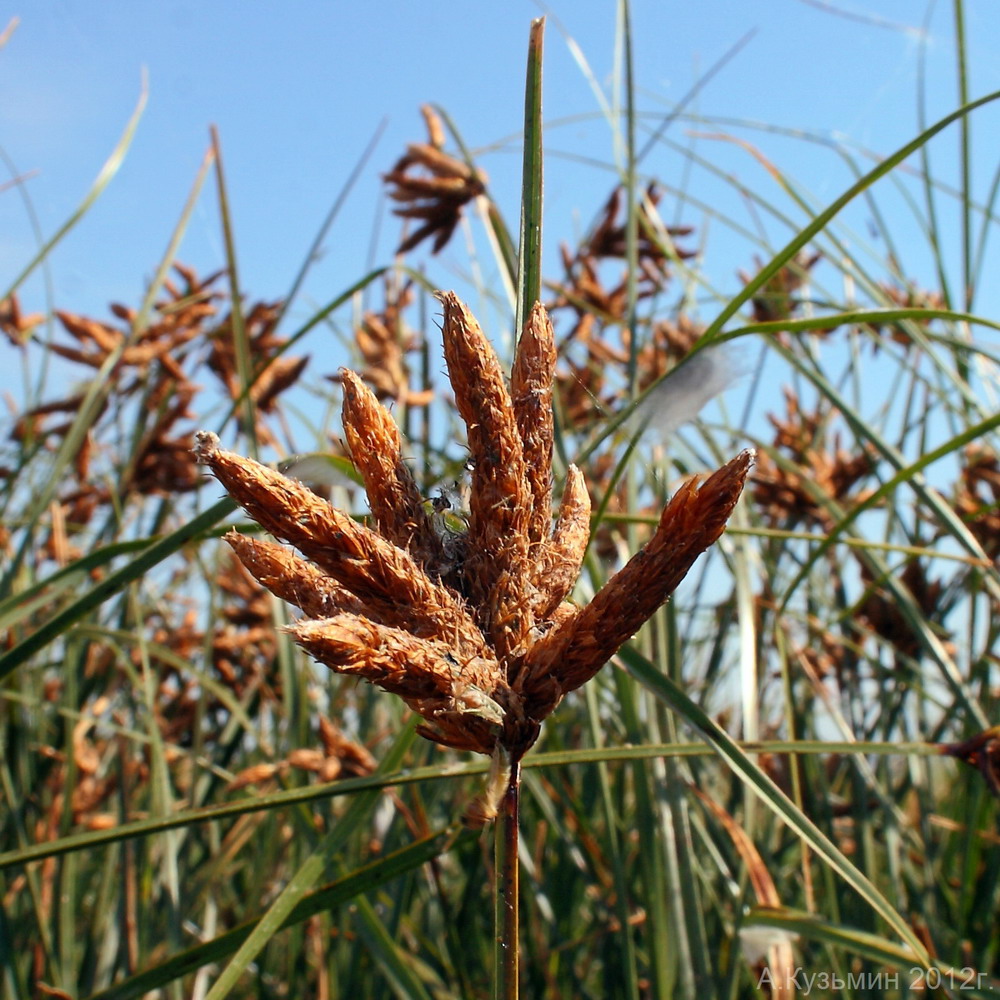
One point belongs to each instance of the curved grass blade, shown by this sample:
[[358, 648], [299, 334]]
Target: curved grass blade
[[819, 222], [966, 982], [812, 324], [91, 839], [761, 785]]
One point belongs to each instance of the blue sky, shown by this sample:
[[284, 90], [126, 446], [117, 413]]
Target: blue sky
[[298, 89]]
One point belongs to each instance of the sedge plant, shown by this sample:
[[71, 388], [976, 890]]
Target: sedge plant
[[789, 771]]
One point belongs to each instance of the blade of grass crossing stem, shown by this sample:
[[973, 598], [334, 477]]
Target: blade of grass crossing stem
[[772, 796], [92, 839], [241, 343], [365, 879], [107, 172], [309, 873], [529, 259]]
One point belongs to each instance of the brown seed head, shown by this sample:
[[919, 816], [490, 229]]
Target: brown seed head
[[483, 648]]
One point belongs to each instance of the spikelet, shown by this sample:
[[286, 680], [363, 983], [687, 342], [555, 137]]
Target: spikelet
[[561, 556], [572, 652], [497, 573], [531, 396], [376, 449]]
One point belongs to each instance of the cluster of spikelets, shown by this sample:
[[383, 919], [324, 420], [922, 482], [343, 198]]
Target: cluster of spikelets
[[471, 627]]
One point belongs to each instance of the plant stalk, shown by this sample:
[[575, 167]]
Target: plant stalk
[[506, 954]]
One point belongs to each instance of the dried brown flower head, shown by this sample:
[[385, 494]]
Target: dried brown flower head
[[609, 239], [432, 187], [383, 340], [178, 319], [473, 631], [273, 371], [813, 469], [776, 300], [162, 464], [16, 325], [881, 611], [978, 496]]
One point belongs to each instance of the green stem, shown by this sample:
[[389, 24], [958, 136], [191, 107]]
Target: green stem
[[506, 953]]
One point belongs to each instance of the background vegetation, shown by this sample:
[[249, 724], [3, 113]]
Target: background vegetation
[[171, 763]]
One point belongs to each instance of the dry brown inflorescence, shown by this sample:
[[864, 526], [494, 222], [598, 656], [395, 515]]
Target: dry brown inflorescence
[[471, 627], [432, 187]]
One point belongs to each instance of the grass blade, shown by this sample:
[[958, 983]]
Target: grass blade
[[772, 796]]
